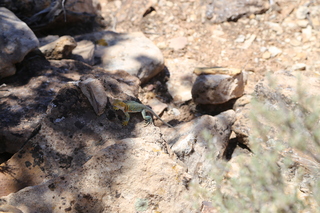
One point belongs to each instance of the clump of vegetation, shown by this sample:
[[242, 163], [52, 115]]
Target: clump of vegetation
[[283, 173]]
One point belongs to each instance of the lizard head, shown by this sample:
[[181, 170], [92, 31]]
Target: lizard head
[[117, 104]]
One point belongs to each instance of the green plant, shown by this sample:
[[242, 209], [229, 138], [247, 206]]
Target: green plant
[[271, 180]]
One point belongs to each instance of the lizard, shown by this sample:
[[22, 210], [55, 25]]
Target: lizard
[[132, 107]]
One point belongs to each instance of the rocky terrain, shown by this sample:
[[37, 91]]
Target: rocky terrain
[[237, 80]]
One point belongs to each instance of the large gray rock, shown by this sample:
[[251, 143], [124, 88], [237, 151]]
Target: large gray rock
[[16, 41], [26, 96], [132, 52], [132, 175], [79, 162]]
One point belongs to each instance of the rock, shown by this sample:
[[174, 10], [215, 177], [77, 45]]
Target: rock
[[283, 94], [78, 162], [115, 85], [132, 175], [207, 207], [184, 146], [275, 27], [266, 55], [307, 34], [96, 94], [248, 42], [301, 12], [130, 14], [295, 42], [217, 89], [59, 49], [16, 41], [217, 11], [192, 142], [84, 52], [240, 39], [274, 51], [69, 114], [10, 209], [132, 52], [27, 95], [303, 23], [157, 106], [299, 66], [181, 78], [242, 126], [56, 17], [119, 84], [178, 43]]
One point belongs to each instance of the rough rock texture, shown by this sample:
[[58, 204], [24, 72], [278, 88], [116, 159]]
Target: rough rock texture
[[193, 141], [282, 94], [78, 161], [26, 7], [217, 11], [59, 49], [60, 145], [132, 10], [132, 175], [115, 85], [55, 17], [96, 94], [16, 41], [25, 97], [217, 89], [132, 52], [242, 125]]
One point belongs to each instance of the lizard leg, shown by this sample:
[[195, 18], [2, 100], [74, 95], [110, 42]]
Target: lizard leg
[[146, 117], [126, 121]]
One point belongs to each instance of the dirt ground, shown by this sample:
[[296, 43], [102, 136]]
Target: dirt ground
[[283, 37], [224, 44]]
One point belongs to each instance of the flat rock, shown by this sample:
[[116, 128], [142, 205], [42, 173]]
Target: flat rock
[[26, 96], [58, 147], [132, 175], [132, 52], [79, 162], [178, 43], [16, 41]]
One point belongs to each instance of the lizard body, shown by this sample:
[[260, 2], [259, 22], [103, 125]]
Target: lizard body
[[133, 107]]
